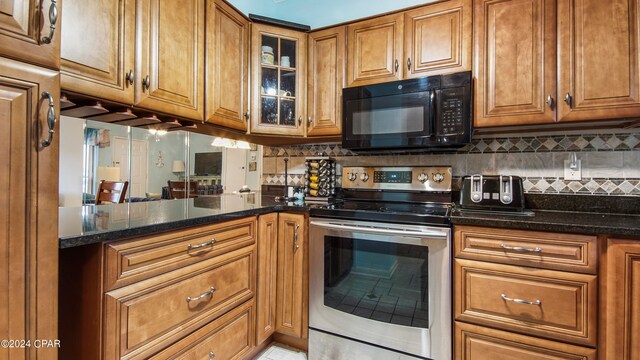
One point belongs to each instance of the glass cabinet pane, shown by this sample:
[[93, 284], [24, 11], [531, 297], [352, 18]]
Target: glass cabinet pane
[[269, 110], [288, 50], [287, 112], [269, 82], [270, 49], [287, 83]]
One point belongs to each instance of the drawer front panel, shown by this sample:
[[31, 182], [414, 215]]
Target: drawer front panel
[[131, 261], [228, 337], [576, 253], [561, 306], [156, 312], [479, 343]]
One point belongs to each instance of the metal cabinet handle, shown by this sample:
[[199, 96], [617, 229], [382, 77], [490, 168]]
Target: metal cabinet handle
[[53, 18], [51, 118], [208, 243], [409, 64], [129, 77], [568, 100], [550, 101], [203, 295], [146, 82], [295, 238], [517, 248], [309, 121], [520, 301], [299, 120], [211, 355], [397, 65]]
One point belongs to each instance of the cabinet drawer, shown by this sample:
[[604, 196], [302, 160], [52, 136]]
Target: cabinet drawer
[[131, 261], [547, 250], [228, 337], [150, 315], [479, 343], [564, 303]]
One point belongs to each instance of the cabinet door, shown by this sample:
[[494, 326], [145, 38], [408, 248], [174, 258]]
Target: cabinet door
[[278, 80], [25, 30], [325, 81], [620, 294], [292, 274], [170, 60], [227, 66], [374, 50], [515, 51], [98, 48], [267, 271], [438, 39], [29, 215], [598, 58]]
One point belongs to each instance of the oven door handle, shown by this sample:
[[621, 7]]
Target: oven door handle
[[382, 230]]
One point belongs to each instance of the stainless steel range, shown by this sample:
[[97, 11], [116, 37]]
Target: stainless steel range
[[380, 267]]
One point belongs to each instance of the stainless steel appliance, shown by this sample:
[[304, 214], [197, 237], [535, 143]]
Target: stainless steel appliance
[[380, 267], [425, 113]]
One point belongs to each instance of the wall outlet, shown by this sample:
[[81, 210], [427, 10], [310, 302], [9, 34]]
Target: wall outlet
[[572, 174]]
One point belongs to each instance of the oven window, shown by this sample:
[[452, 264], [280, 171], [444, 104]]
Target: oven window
[[377, 280]]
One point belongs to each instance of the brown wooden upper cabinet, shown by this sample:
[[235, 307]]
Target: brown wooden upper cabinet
[[599, 74], [325, 80], [515, 50], [519, 42], [227, 62], [278, 79], [29, 31], [98, 39], [170, 63], [374, 50], [438, 39], [429, 40], [148, 53]]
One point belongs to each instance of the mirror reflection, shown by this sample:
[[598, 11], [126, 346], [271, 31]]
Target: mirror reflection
[[136, 164]]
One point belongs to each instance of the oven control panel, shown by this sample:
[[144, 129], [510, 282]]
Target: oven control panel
[[406, 178]]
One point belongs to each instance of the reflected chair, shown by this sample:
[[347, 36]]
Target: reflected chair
[[111, 192], [182, 189]]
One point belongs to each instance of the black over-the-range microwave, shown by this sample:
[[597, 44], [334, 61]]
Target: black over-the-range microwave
[[429, 113]]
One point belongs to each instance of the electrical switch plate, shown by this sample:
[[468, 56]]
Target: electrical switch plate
[[572, 174]]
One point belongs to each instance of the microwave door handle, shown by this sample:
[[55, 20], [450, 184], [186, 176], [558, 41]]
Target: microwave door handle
[[432, 113]]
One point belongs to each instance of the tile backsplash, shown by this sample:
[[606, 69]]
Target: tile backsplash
[[610, 161]]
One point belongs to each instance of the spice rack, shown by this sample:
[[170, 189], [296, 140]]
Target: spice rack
[[320, 179]]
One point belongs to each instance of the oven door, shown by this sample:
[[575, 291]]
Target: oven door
[[383, 284]]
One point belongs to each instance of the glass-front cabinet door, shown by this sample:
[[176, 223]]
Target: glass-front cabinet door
[[278, 80]]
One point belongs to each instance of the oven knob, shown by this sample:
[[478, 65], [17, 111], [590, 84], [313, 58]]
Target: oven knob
[[352, 176], [475, 197], [438, 177], [364, 177], [423, 178]]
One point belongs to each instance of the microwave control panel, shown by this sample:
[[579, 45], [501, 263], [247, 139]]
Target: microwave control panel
[[451, 116]]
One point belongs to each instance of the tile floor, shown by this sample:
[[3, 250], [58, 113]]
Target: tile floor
[[277, 351]]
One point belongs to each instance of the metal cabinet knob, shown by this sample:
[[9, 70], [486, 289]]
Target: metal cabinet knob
[[146, 83], [568, 100], [309, 121], [409, 64], [129, 77], [549, 101], [396, 65]]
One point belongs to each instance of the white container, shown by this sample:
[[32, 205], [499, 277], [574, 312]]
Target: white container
[[267, 49], [267, 57], [284, 61]]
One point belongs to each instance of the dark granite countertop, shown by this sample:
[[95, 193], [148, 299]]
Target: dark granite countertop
[[92, 224], [597, 215]]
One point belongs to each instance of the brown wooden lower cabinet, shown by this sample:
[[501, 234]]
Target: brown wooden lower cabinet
[[228, 337], [292, 290], [620, 300], [267, 271], [474, 342]]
